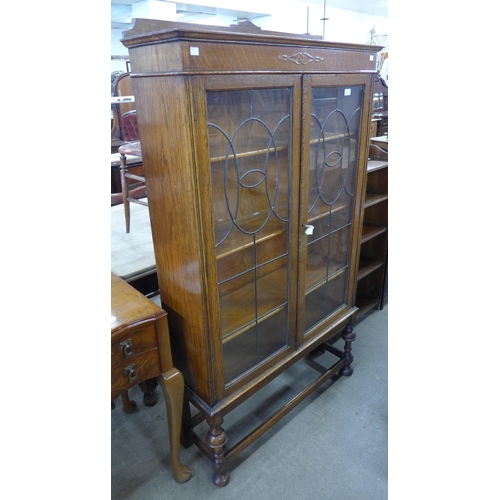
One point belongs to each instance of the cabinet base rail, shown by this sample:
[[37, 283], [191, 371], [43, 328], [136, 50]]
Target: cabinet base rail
[[214, 446]]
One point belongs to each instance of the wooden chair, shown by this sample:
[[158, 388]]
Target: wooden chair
[[134, 166], [123, 191], [131, 193], [129, 150], [121, 87]]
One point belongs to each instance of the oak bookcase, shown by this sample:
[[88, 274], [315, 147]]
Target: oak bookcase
[[254, 145]]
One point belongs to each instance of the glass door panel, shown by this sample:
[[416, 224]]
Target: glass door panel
[[334, 137], [249, 141], [324, 299]]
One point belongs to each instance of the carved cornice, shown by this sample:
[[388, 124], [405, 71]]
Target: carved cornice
[[301, 58]]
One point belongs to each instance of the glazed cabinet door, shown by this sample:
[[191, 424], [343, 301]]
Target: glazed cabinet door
[[247, 152], [335, 111]]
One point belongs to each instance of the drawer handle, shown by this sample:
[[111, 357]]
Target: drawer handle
[[126, 347], [131, 371]]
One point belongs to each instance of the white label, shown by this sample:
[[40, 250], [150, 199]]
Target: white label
[[347, 91], [309, 229], [194, 51], [372, 58]]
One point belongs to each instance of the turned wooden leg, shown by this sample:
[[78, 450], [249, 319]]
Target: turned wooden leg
[[148, 387], [216, 439], [125, 190], [128, 405], [172, 386], [348, 335]]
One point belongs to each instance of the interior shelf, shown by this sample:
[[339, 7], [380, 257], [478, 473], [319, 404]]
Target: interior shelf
[[318, 212], [374, 198], [316, 270], [373, 255], [271, 294], [367, 266], [370, 231], [237, 241], [222, 152], [238, 317], [364, 305]]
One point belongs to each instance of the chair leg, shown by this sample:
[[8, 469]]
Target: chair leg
[[125, 190]]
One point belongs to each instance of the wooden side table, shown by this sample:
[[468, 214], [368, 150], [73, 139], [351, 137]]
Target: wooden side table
[[140, 350]]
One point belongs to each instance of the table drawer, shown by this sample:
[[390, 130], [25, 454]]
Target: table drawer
[[132, 343], [134, 370]]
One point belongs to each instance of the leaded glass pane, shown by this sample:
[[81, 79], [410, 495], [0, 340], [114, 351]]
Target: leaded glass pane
[[249, 138], [334, 135]]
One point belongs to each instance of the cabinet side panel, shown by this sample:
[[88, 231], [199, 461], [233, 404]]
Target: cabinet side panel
[[156, 58], [164, 127]]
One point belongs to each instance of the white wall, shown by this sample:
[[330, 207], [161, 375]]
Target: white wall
[[342, 25], [117, 49]]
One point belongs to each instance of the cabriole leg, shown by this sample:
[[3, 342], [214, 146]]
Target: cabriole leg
[[172, 386]]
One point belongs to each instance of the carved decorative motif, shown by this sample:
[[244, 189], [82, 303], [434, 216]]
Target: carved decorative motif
[[301, 58]]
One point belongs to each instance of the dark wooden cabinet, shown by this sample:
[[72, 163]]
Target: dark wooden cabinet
[[372, 269], [254, 145]]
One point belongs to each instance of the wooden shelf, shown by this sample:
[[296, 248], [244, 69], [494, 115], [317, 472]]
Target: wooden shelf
[[328, 138], [373, 254], [237, 241], [222, 152], [370, 231], [367, 266], [250, 325], [272, 291], [374, 198], [225, 152], [316, 275], [238, 317], [364, 305], [324, 211]]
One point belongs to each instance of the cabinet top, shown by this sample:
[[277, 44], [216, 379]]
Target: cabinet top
[[147, 31], [166, 47]]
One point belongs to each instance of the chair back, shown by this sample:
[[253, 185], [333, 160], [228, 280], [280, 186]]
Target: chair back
[[130, 130], [122, 87]]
